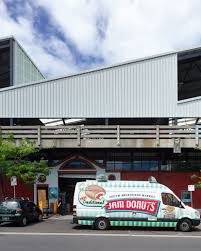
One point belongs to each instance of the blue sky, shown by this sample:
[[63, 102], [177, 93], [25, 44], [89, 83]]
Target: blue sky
[[68, 36]]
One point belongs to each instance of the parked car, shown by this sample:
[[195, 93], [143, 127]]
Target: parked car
[[19, 211]]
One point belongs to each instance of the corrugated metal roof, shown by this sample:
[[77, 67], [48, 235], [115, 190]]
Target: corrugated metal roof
[[100, 68]]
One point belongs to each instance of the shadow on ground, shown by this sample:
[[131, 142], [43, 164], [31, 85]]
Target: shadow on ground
[[139, 229], [14, 224]]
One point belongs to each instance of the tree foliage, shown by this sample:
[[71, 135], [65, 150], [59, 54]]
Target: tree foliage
[[15, 161], [197, 180]]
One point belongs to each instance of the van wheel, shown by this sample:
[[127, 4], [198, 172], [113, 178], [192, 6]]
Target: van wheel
[[185, 225], [101, 224]]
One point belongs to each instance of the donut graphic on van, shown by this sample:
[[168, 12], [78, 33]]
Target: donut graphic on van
[[95, 192], [92, 195]]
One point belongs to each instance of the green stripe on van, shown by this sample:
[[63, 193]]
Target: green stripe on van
[[143, 224]]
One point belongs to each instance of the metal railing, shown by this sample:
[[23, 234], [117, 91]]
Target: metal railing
[[117, 132]]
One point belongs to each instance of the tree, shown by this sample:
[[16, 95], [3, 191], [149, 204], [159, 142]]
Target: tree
[[197, 180], [15, 160]]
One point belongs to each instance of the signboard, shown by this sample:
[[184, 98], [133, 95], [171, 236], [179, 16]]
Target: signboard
[[137, 205], [13, 181], [191, 188]]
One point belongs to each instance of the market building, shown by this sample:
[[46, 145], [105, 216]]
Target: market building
[[128, 121]]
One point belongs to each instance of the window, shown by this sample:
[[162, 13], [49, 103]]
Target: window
[[132, 161], [145, 161], [186, 196], [76, 165], [119, 161], [9, 204], [4, 64], [189, 74], [170, 200], [27, 206]]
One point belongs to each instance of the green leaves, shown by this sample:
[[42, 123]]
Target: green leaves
[[14, 159], [197, 180]]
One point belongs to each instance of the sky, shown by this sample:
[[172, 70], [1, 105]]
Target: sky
[[68, 36]]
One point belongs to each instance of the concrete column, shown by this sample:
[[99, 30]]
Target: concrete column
[[107, 121], [35, 193]]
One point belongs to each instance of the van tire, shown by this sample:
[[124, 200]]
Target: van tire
[[185, 225], [102, 223]]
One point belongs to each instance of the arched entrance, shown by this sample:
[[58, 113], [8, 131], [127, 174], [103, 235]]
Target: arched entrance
[[72, 170]]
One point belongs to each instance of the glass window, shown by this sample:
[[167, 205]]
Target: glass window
[[170, 200], [123, 166], [137, 165], [189, 75], [186, 196], [110, 165], [145, 161], [26, 206], [9, 204], [145, 165], [132, 161], [4, 66], [76, 165]]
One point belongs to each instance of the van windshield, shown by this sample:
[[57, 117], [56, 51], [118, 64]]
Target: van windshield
[[170, 200]]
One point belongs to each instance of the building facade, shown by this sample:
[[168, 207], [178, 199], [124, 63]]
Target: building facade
[[136, 119]]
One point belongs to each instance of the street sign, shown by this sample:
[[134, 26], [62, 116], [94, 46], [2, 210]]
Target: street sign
[[13, 181], [191, 188], [177, 145]]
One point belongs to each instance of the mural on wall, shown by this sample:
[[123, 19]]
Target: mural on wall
[[53, 193]]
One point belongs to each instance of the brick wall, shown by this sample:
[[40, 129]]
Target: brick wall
[[22, 190]]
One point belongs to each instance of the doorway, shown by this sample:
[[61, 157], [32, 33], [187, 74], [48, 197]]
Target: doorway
[[66, 192], [42, 195]]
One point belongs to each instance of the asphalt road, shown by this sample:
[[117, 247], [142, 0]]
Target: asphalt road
[[55, 234], [65, 226], [97, 243]]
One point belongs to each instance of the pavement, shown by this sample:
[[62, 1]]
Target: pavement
[[61, 225]]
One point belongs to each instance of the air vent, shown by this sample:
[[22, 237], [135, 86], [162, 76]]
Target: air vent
[[102, 178], [152, 179]]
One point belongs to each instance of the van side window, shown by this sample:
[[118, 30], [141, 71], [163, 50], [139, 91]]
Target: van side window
[[170, 200]]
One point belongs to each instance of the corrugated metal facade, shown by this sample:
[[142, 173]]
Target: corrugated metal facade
[[146, 88], [24, 70]]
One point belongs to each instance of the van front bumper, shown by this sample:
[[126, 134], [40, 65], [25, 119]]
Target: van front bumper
[[196, 222]]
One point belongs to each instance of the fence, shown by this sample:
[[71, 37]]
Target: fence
[[118, 133]]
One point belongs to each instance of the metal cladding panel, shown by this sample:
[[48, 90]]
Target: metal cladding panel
[[25, 70], [146, 88], [191, 108]]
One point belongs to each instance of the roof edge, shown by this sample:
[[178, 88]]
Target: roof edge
[[95, 69], [21, 47], [89, 71]]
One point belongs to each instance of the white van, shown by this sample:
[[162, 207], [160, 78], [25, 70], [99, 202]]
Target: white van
[[131, 203]]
